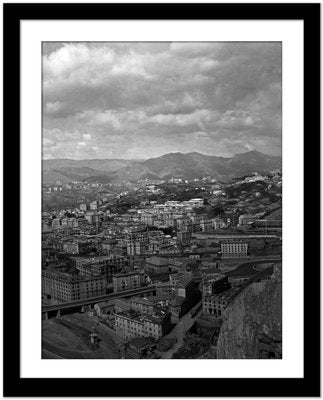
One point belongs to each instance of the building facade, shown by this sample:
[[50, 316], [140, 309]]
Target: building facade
[[157, 265], [234, 249], [129, 325], [215, 305], [106, 266], [126, 281], [142, 305], [65, 287]]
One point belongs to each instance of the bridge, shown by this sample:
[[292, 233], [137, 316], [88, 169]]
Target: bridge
[[56, 310]]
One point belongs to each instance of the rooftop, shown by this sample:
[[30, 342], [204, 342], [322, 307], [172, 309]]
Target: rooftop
[[160, 277], [185, 282], [156, 318], [157, 261], [123, 274], [105, 303], [233, 241], [141, 300]]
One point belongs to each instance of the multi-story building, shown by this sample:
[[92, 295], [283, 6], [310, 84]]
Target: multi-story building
[[94, 205], [107, 246], [184, 224], [136, 248], [155, 241], [69, 223], [71, 247], [100, 265], [169, 250], [76, 247], [215, 304], [148, 218], [247, 219], [65, 287], [91, 218], [104, 308], [157, 265], [217, 223], [142, 305], [129, 325], [185, 288], [196, 202], [121, 248], [176, 278], [212, 283], [234, 249], [56, 223], [184, 237], [184, 298], [137, 243], [165, 289], [206, 225], [83, 207], [126, 281]]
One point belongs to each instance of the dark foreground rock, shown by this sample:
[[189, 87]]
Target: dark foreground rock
[[252, 326]]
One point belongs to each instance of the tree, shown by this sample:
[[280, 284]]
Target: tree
[[217, 210]]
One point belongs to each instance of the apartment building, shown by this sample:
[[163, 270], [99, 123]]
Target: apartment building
[[129, 325], [234, 249], [215, 305], [65, 287], [100, 265], [126, 281]]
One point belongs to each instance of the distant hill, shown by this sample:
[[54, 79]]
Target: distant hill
[[52, 177], [254, 161], [98, 164], [68, 174], [186, 166]]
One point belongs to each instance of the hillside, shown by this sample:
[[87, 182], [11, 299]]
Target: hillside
[[106, 165], [186, 166]]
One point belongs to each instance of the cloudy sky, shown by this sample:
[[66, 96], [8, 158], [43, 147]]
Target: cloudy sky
[[142, 100]]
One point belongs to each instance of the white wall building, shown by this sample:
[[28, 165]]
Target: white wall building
[[234, 249]]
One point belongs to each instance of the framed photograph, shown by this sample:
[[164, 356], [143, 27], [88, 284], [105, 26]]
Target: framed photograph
[[155, 158]]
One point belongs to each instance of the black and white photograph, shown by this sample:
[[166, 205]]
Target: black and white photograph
[[162, 200]]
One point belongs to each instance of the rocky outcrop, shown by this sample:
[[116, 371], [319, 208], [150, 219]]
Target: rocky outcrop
[[252, 326]]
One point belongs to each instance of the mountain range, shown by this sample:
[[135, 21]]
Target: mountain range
[[178, 165]]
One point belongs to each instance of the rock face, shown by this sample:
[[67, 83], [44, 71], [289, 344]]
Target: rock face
[[252, 326]]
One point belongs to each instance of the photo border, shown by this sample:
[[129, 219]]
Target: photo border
[[130, 387]]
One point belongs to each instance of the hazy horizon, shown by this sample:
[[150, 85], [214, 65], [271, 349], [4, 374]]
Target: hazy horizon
[[144, 159]]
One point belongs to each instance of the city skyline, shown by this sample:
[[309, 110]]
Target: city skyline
[[143, 100]]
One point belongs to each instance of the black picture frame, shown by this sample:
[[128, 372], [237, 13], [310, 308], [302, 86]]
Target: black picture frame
[[14, 385]]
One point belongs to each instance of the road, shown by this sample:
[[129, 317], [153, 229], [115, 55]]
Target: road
[[178, 333], [97, 299], [247, 268]]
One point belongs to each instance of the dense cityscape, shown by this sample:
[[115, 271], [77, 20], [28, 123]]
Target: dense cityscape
[[151, 270]]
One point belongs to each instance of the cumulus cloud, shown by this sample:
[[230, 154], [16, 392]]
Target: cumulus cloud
[[140, 100]]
